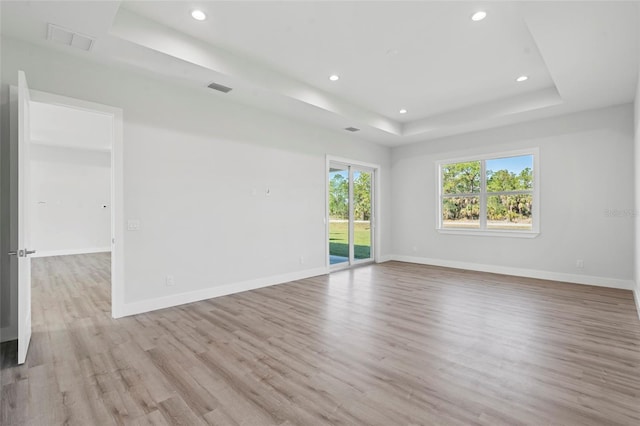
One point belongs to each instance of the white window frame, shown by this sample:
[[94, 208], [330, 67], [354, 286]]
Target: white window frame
[[482, 231]]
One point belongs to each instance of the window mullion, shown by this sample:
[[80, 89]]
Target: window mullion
[[523, 192], [460, 195]]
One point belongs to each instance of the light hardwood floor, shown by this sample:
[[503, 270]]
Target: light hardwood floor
[[389, 344]]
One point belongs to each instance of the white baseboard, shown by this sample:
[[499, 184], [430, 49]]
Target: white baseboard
[[522, 272], [384, 258], [212, 292], [8, 333], [68, 252], [636, 294]]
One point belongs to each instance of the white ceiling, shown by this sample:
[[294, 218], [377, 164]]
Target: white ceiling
[[452, 75]]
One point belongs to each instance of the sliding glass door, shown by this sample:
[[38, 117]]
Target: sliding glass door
[[350, 214]]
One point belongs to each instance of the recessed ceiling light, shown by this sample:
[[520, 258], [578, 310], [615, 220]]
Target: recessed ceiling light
[[198, 15], [522, 78], [334, 77], [479, 15], [403, 111]]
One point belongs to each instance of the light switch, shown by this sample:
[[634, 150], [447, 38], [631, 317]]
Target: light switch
[[133, 225]]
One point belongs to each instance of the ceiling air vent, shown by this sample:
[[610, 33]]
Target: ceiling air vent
[[69, 38], [219, 87], [352, 129]]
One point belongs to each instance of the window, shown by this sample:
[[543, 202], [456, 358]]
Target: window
[[491, 195]]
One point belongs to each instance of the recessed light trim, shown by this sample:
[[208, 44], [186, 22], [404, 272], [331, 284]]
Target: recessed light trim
[[334, 77], [403, 111], [479, 16], [198, 15], [522, 78]]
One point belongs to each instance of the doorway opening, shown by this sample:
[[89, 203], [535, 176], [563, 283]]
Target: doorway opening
[[351, 213], [67, 155], [105, 148], [70, 197]]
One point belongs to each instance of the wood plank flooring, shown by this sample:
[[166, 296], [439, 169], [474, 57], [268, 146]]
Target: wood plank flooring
[[389, 344]]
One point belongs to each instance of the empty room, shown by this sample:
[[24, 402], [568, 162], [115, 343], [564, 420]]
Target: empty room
[[319, 213]]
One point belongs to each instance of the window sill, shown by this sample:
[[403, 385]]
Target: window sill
[[489, 233]]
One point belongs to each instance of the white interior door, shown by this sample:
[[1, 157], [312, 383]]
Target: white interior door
[[23, 250]]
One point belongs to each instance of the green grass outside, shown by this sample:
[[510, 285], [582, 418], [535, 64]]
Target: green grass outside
[[339, 239]]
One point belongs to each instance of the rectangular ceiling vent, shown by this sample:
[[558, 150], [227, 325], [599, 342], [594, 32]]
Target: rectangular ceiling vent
[[70, 38], [352, 129], [219, 87]]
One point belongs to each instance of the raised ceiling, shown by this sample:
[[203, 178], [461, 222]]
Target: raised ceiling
[[451, 74]]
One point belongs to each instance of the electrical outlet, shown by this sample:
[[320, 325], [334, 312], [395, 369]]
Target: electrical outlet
[[580, 264], [170, 280], [302, 260], [133, 225]]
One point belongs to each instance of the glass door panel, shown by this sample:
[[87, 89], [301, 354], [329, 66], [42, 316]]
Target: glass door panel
[[362, 214], [339, 209]]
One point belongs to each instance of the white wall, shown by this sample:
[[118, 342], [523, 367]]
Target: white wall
[[586, 168], [69, 188], [192, 160], [70, 127], [196, 167]]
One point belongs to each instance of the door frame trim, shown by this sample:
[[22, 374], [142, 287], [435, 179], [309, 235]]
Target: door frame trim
[[376, 208], [117, 188]]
